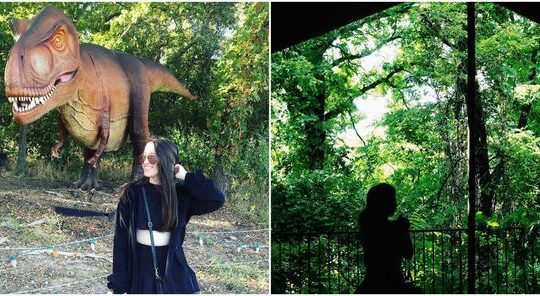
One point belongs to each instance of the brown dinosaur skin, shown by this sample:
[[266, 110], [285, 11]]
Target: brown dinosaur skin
[[102, 95]]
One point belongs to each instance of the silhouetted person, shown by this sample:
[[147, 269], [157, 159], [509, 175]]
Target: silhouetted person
[[385, 243]]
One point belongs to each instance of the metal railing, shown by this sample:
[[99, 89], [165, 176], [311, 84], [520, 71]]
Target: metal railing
[[332, 262]]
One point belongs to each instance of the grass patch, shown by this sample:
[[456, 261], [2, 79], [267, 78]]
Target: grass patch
[[11, 222], [47, 233], [247, 199], [250, 278], [113, 172]]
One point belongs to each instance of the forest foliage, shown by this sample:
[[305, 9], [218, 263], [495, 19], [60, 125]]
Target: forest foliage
[[321, 89], [219, 50]]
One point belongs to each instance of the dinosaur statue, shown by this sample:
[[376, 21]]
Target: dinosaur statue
[[102, 95]]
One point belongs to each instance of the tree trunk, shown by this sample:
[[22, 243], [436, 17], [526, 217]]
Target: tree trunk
[[316, 135], [457, 142], [484, 176], [21, 160], [471, 107], [220, 178], [526, 109]]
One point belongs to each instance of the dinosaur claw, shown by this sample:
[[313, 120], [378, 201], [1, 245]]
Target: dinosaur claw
[[55, 152], [93, 161]]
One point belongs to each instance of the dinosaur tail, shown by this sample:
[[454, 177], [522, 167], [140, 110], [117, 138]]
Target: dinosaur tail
[[161, 80]]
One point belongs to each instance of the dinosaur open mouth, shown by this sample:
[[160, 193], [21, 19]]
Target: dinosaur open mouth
[[28, 103], [25, 104]]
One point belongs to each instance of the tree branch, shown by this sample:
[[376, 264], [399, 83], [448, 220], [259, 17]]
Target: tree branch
[[366, 52], [354, 127], [181, 52], [384, 79], [439, 192], [338, 110], [437, 31]]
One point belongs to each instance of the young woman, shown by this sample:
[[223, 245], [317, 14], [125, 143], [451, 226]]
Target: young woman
[[170, 205], [385, 243]]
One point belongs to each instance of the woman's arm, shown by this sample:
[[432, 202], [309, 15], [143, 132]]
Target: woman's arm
[[119, 277], [205, 196], [406, 243]]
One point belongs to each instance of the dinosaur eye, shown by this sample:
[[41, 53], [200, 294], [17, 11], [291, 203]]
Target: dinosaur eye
[[58, 40]]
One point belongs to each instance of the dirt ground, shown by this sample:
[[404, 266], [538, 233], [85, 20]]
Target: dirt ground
[[53, 253]]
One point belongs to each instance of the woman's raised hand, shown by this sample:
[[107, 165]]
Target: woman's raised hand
[[179, 172]]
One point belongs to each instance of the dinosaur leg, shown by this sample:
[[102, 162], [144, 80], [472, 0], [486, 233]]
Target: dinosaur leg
[[104, 127], [92, 158], [62, 135], [88, 178], [139, 132], [136, 168], [55, 149]]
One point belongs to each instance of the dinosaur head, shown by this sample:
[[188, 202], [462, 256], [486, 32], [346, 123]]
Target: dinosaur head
[[43, 64]]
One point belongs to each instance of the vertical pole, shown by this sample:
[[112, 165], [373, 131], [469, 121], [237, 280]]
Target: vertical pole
[[21, 157], [309, 263], [471, 113]]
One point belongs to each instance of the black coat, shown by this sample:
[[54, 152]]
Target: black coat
[[197, 195]]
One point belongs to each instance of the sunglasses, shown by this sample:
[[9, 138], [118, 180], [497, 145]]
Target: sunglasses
[[152, 159]]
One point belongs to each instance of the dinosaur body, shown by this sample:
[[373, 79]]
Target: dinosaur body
[[102, 95]]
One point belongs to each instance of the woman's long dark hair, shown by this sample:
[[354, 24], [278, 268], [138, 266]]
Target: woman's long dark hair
[[166, 152], [380, 202]]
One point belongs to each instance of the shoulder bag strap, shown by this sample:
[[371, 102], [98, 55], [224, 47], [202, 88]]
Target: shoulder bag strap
[[158, 278]]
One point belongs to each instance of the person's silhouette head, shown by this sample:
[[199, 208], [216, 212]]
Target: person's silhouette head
[[381, 200]]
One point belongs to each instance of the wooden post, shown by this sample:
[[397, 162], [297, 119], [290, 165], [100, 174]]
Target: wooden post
[[471, 114]]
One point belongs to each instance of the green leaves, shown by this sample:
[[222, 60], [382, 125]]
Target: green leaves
[[422, 148]]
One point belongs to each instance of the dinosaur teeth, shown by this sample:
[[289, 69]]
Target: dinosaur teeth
[[32, 101]]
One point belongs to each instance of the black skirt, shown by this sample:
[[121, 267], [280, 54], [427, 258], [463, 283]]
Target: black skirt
[[145, 280]]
